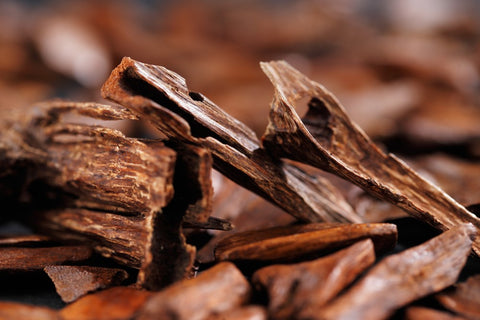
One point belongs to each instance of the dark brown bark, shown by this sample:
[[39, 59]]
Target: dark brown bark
[[216, 290], [72, 282], [326, 138], [464, 299], [162, 97], [294, 289], [293, 242], [402, 278]]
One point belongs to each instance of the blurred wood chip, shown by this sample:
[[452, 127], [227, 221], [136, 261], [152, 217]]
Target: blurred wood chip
[[72, 282], [251, 312], [423, 313], [402, 278], [20, 311], [295, 288], [464, 299], [216, 290], [293, 242]]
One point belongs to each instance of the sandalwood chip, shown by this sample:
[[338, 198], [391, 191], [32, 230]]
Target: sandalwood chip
[[464, 298], [298, 287], [117, 303], [251, 312], [19, 311], [402, 278], [39, 258], [286, 243], [72, 282], [423, 313], [216, 290]]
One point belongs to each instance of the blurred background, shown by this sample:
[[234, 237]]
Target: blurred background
[[407, 71]]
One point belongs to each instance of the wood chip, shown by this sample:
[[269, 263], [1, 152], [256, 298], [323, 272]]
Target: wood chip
[[39, 258], [404, 277], [295, 288], [216, 290], [422, 313], [293, 242], [117, 303], [464, 299], [326, 138], [19, 311], [72, 282]]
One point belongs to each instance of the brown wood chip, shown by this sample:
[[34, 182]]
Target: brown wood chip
[[464, 298], [422, 313], [402, 278], [20, 311], [72, 282]]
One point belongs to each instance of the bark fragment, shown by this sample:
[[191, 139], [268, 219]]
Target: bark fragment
[[162, 97], [293, 242], [402, 278], [326, 138], [294, 289], [216, 290], [72, 282]]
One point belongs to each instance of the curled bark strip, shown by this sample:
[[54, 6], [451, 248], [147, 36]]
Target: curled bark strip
[[162, 97], [326, 138], [402, 278]]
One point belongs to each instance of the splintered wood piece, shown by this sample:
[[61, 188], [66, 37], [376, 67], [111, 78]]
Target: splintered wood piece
[[326, 138], [293, 289], [422, 313], [216, 290], [72, 282], [161, 96], [25, 240], [82, 165], [402, 278], [19, 311], [464, 299], [39, 258], [286, 243], [117, 303], [251, 312]]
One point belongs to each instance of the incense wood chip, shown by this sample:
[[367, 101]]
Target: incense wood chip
[[296, 288], [292, 242], [25, 240], [402, 278], [216, 290], [72, 282], [464, 299], [117, 303], [19, 311], [251, 312], [326, 138], [39, 258], [422, 313], [157, 94]]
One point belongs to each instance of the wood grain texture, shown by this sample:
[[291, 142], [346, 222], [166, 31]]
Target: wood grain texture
[[326, 138], [162, 97], [404, 277]]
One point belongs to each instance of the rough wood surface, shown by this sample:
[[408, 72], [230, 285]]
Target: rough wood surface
[[117, 303], [294, 289], [293, 242], [72, 282], [326, 138], [162, 97], [402, 278], [219, 289], [38, 258], [464, 299]]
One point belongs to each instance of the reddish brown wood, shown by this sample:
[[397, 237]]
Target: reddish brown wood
[[251, 312], [294, 289], [216, 290], [422, 313], [117, 303], [328, 139], [19, 311], [464, 299], [402, 278], [72, 282], [39, 258], [293, 242]]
